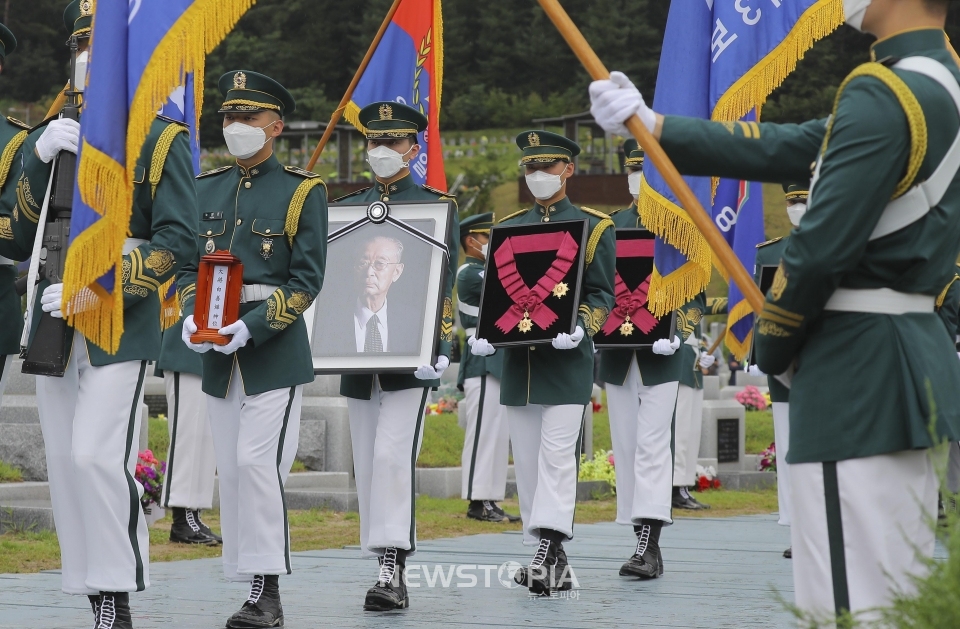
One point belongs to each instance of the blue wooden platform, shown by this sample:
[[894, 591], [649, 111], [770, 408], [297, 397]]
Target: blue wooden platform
[[719, 573]]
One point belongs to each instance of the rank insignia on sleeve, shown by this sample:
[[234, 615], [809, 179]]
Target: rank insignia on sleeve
[[266, 248]]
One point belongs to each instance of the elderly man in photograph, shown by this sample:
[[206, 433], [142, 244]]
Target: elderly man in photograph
[[379, 268]]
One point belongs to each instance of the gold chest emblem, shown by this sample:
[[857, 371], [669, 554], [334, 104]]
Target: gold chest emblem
[[239, 81], [266, 248]]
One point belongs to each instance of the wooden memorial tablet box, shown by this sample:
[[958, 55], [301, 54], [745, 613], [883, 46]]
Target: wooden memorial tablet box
[[531, 285], [630, 324], [219, 282]]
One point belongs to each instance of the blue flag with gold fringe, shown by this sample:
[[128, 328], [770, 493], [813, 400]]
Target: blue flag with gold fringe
[[139, 53], [719, 61]]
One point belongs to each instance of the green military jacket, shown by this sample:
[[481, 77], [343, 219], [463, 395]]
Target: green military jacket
[[690, 322], [13, 133], [541, 374], [469, 287], [274, 218], [769, 254], [163, 214], [175, 356], [360, 386], [875, 382]]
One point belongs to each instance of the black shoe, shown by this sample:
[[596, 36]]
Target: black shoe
[[95, 605], [114, 611], [685, 492], [483, 510], [646, 562], [681, 501], [563, 571], [788, 553], [390, 591], [206, 530], [185, 529], [545, 574], [263, 608], [509, 516]]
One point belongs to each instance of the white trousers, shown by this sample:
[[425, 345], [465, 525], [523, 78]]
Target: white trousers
[[191, 459], [255, 437], [90, 420], [546, 458], [6, 364], [486, 443], [640, 426], [781, 436], [858, 526], [686, 439], [386, 432]]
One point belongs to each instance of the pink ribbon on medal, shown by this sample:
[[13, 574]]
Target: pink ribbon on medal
[[631, 303], [529, 301]]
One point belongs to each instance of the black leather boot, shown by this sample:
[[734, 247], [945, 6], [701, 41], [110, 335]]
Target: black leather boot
[[646, 562], [390, 590], [185, 529], [114, 611], [206, 530], [262, 608], [95, 606], [509, 516], [484, 511]]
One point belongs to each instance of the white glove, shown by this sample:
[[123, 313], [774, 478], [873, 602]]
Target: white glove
[[51, 299], [613, 101], [60, 135], [480, 347], [665, 347], [240, 335], [189, 327], [569, 341], [754, 370], [426, 372], [707, 360]]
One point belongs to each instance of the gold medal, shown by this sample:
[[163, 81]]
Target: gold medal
[[210, 246], [627, 328], [560, 290], [525, 324]]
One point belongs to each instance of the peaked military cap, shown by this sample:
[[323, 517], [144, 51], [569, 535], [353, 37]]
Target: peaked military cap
[[78, 17], [247, 92], [8, 43], [477, 224], [543, 147], [796, 190], [387, 119], [633, 153]]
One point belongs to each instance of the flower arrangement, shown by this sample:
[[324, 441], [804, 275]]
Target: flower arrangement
[[752, 399], [768, 459], [150, 473], [706, 478], [600, 468]]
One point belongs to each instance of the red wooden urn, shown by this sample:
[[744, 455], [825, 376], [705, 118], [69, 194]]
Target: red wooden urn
[[219, 282]]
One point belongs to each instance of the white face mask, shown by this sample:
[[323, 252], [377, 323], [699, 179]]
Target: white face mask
[[483, 250], [854, 10], [80, 71], [633, 180], [386, 162], [795, 212], [543, 185], [243, 140]]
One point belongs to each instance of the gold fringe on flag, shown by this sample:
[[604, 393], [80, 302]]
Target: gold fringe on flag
[[107, 186], [737, 348], [169, 306], [672, 224]]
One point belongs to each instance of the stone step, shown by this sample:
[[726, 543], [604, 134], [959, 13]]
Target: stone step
[[26, 516], [334, 499], [747, 480], [323, 386], [20, 383], [19, 408]]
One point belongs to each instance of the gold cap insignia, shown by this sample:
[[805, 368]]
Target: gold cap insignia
[[239, 81], [533, 139], [386, 112], [86, 8]]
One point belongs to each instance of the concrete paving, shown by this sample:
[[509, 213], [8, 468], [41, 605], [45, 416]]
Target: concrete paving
[[719, 573]]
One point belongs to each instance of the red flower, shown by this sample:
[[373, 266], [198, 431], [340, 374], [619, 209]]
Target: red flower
[[703, 483], [716, 483]]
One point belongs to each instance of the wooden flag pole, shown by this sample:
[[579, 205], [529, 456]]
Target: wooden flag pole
[[338, 112], [653, 150]]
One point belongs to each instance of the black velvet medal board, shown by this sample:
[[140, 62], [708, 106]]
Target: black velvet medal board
[[634, 266], [767, 273], [563, 298]]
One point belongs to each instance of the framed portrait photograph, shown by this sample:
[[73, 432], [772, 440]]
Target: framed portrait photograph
[[630, 324], [767, 273], [531, 282], [380, 307]]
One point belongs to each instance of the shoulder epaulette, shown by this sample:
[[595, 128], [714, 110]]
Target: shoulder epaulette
[[514, 215], [299, 171], [18, 123], [215, 171], [352, 194], [448, 195], [292, 223], [45, 122], [594, 212], [160, 152], [8, 153], [619, 210], [595, 235], [172, 121], [769, 242]]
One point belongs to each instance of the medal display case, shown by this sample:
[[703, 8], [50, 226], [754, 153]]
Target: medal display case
[[219, 283], [531, 283]]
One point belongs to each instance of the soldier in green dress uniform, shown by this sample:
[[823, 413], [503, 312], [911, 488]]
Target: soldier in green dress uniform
[[387, 410], [850, 314], [547, 387], [91, 416], [486, 446], [769, 254], [274, 218]]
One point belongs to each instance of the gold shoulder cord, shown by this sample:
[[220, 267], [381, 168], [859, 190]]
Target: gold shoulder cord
[[946, 289], [6, 158], [911, 107], [514, 215], [164, 142], [296, 205], [595, 238]]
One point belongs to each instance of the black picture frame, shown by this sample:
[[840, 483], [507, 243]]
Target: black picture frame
[[765, 281], [495, 302], [634, 270], [421, 227]]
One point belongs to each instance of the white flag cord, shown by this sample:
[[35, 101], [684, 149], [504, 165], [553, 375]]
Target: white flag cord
[[34, 271]]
